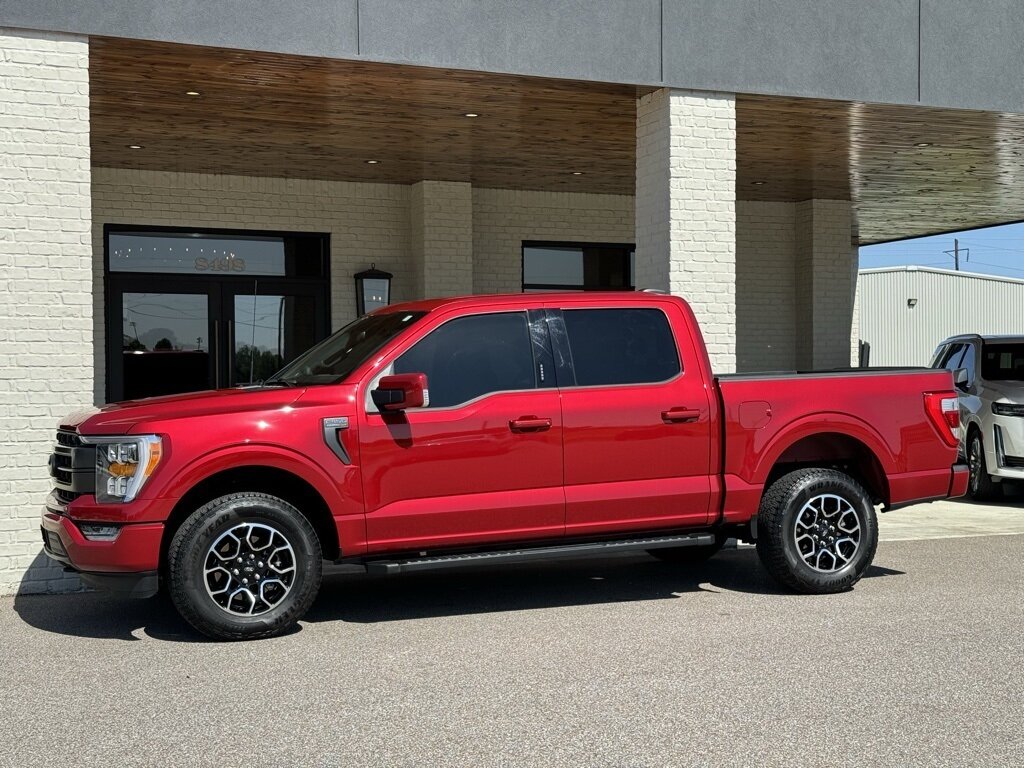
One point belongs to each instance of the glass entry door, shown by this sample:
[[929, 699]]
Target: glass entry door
[[190, 311], [269, 325], [165, 343]]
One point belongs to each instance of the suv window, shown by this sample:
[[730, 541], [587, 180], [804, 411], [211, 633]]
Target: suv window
[[968, 362], [621, 346], [472, 356], [1002, 361], [949, 357]]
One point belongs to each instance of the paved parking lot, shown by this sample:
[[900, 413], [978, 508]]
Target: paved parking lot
[[619, 661]]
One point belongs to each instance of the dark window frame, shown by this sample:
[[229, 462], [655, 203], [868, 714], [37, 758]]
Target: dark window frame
[[628, 247]]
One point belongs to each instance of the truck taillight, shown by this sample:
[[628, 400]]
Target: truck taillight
[[944, 410]]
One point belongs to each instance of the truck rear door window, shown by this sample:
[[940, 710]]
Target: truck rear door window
[[621, 346], [473, 356]]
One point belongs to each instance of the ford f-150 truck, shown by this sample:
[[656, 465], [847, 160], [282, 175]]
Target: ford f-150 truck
[[491, 428]]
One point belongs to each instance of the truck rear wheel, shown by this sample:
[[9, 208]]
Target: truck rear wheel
[[816, 531], [244, 566]]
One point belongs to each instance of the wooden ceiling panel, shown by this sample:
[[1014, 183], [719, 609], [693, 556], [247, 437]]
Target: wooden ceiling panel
[[275, 115], [908, 170]]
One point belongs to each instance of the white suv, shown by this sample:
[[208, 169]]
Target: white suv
[[989, 372]]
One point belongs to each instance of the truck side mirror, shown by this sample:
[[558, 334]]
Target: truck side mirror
[[960, 379], [401, 391]]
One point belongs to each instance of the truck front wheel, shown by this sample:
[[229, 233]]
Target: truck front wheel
[[816, 531], [244, 566]]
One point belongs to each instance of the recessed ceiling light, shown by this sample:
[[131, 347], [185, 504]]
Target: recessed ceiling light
[[577, 173], [192, 93], [134, 146], [372, 162], [471, 114], [923, 144], [758, 183]]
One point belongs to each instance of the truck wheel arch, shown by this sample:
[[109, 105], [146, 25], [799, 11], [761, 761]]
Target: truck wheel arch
[[266, 470], [840, 443]]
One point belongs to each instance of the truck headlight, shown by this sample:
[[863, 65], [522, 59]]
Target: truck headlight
[[1007, 409], [123, 465]]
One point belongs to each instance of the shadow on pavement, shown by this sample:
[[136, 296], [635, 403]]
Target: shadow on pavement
[[582, 581], [369, 599]]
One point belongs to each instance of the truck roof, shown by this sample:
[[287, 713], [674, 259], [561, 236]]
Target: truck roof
[[530, 299]]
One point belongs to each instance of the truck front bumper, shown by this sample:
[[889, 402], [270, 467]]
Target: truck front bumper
[[127, 564]]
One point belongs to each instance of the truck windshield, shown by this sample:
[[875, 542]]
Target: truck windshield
[[1003, 362], [334, 358]]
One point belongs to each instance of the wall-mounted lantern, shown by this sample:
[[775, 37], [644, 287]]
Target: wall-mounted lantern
[[373, 289]]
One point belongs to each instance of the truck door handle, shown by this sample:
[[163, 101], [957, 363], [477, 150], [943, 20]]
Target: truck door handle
[[680, 415], [529, 424]]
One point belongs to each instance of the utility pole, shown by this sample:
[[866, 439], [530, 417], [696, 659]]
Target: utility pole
[[955, 253]]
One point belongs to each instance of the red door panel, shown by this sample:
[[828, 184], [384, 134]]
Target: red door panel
[[464, 475], [626, 467], [637, 420]]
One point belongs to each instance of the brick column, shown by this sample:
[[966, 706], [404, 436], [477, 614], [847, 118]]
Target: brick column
[[826, 280], [686, 208], [46, 334], [442, 237]]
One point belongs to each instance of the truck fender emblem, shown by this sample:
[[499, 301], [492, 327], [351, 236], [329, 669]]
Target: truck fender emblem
[[332, 426]]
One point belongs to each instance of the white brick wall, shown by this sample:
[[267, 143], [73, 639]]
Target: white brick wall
[[441, 217], [45, 280], [368, 223], [826, 279], [686, 208], [504, 218], [765, 286]]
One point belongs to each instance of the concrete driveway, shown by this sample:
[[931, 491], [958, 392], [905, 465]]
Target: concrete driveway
[[613, 662]]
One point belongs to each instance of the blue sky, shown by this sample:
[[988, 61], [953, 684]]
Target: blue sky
[[994, 250]]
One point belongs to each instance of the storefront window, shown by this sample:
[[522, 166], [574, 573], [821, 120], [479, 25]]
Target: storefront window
[[577, 267], [212, 255]]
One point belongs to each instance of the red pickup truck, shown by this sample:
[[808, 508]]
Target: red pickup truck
[[491, 428]]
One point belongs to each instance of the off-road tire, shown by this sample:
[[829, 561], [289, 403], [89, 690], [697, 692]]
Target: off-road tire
[[190, 549], [777, 517], [980, 486]]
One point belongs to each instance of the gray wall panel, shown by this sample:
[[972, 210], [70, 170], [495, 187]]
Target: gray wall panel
[[312, 27], [864, 50], [613, 40], [972, 53]]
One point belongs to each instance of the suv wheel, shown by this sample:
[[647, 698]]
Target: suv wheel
[[980, 485], [244, 566], [817, 531]]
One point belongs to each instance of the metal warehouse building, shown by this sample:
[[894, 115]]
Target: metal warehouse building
[[906, 311], [187, 189]]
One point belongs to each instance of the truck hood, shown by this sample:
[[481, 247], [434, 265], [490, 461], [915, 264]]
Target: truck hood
[[120, 418]]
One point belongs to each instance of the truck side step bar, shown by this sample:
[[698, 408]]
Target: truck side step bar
[[526, 554]]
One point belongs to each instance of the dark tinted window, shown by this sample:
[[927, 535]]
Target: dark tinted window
[[967, 361], [621, 346], [473, 356], [949, 357], [1002, 362]]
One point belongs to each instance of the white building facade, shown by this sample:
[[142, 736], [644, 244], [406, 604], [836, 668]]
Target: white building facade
[[906, 311]]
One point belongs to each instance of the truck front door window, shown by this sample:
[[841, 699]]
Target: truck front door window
[[473, 356]]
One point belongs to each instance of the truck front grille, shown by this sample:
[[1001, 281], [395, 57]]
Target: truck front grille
[[72, 466]]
